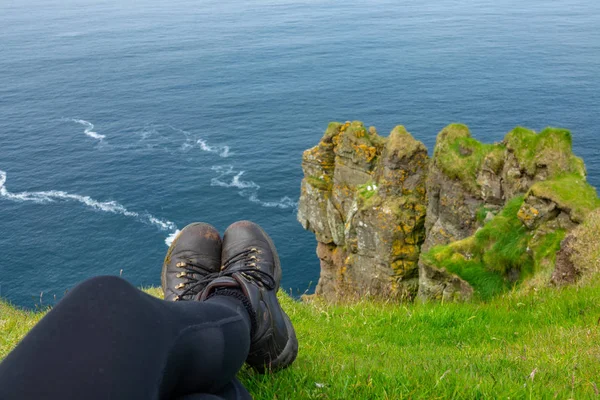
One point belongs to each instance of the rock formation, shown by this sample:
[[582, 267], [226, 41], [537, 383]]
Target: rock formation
[[476, 218], [364, 198], [579, 256]]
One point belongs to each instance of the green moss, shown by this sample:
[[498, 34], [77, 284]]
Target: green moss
[[487, 260], [403, 142], [495, 158], [571, 192], [523, 142], [459, 156], [485, 283], [332, 130], [545, 247], [367, 190], [358, 129], [319, 183], [503, 241], [377, 141], [551, 147], [482, 214]]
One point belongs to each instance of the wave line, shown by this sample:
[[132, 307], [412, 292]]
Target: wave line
[[89, 128], [230, 178], [44, 197]]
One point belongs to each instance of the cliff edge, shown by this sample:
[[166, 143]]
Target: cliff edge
[[473, 220]]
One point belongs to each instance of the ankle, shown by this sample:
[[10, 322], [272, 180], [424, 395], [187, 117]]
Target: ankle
[[238, 295]]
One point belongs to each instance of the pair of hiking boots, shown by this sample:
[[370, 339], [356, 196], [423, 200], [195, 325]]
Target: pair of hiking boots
[[244, 264]]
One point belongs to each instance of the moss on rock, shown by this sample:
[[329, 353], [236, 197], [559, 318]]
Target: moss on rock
[[460, 157], [551, 149], [481, 217], [571, 193], [493, 259]]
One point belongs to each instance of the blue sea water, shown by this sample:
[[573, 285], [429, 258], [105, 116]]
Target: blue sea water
[[122, 121]]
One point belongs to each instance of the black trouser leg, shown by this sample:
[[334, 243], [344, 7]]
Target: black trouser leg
[[108, 340]]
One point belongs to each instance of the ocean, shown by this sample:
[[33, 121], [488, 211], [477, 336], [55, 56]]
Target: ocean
[[121, 122]]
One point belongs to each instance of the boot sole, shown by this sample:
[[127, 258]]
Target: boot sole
[[290, 351]]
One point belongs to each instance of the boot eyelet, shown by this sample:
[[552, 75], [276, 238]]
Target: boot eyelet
[[181, 275], [180, 286]]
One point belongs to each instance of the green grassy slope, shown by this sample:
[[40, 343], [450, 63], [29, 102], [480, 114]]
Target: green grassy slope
[[545, 344]]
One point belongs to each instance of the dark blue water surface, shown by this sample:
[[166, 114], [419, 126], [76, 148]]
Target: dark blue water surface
[[123, 121]]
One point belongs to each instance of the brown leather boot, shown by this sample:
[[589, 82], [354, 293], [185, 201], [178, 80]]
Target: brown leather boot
[[251, 264], [192, 257]]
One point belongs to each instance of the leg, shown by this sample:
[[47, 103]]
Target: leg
[[106, 339]]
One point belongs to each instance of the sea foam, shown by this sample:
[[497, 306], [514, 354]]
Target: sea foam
[[44, 197], [89, 128], [171, 237], [228, 177]]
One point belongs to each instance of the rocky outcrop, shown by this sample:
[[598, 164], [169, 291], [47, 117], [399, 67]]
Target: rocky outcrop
[[467, 178], [364, 198], [579, 256], [390, 222], [461, 180], [469, 183], [438, 284]]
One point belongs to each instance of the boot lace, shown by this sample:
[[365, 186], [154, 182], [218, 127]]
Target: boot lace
[[248, 270]]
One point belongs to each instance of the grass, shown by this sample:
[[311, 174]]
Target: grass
[[486, 282], [482, 212], [485, 259], [545, 248], [460, 156], [504, 240], [571, 192], [551, 147], [500, 255], [543, 344]]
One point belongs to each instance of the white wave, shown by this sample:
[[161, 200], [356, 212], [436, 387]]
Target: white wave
[[229, 178], [226, 171], [113, 207], [222, 151], [2, 181], [171, 237], [162, 224], [285, 202], [164, 139], [89, 128]]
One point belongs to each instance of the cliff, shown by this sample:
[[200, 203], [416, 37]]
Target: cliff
[[475, 219]]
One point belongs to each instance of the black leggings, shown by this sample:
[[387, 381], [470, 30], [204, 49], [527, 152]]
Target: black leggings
[[108, 340]]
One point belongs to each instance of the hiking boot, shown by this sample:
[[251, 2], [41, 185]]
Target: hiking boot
[[251, 264], [194, 254]]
